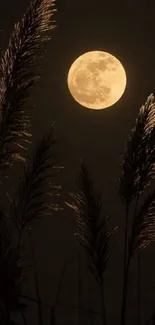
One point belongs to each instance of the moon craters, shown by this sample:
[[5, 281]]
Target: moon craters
[[96, 80]]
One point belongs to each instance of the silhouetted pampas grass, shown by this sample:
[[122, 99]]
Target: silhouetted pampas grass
[[30, 202], [92, 233], [35, 189], [33, 197], [138, 170], [16, 66]]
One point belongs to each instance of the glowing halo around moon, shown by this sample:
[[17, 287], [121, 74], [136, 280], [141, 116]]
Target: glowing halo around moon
[[96, 80]]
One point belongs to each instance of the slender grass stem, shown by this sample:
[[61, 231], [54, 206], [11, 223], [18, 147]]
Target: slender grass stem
[[23, 317], [79, 281], [139, 290], [125, 291], [138, 275], [123, 311], [103, 303], [69, 258], [40, 316], [52, 316]]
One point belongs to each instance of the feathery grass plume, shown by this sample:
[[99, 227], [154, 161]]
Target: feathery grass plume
[[138, 170], [143, 228], [92, 233], [18, 77], [91, 230], [10, 270], [138, 166], [31, 197]]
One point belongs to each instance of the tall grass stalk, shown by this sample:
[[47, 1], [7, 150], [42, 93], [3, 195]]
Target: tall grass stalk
[[139, 288], [52, 316], [138, 275], [91, 232], [126, 270], [79, 283], [138, 171], [23, 317], [36, 282]]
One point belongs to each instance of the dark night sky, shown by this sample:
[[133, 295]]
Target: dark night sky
[[126, 30]]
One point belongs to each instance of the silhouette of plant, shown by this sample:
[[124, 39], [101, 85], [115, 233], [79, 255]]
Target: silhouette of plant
[[28, 203], [17, 68], [92, 227], [18, 76], [137, 173]]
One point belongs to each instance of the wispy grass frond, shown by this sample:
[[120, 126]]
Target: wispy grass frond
[[138, 166], [31, 198], [138, 170], [143, 228], [92, 233], [18, 77]]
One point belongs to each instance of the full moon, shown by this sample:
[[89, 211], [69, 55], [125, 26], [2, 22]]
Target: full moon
[[96, 80]]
